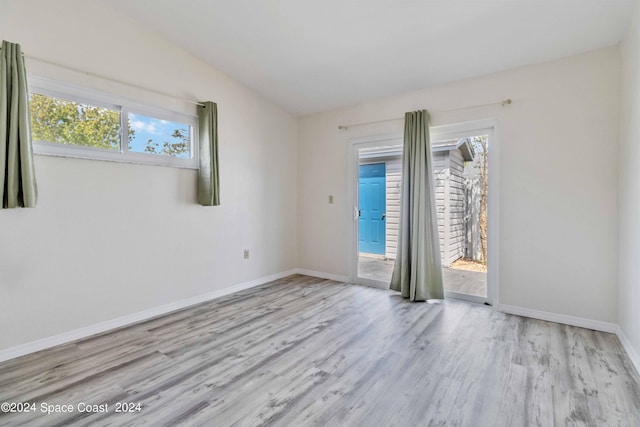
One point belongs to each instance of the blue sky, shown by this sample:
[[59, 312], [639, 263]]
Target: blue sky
[[147, 128]]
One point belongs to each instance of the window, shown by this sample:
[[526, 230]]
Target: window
[[62, 121], [156, 136], [76, 122]]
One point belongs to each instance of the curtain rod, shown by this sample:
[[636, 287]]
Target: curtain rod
[[501, 103], [157, 92]]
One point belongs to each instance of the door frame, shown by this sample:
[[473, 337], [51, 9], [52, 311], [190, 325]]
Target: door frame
[[488, 127]]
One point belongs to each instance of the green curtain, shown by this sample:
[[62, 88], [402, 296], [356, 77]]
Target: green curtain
[[208, 174], [417, 272], [17, 174]]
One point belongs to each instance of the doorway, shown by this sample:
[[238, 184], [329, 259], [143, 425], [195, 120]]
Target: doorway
[[375, 175], [466, 205], [461, 171]]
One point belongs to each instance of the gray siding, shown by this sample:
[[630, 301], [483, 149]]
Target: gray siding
[[394, 178], [456, 207], [448, 169], [439, 161]]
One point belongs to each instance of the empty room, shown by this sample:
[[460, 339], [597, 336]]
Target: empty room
[[320, 213]]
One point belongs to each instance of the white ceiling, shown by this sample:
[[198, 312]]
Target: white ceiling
[[314, 55]]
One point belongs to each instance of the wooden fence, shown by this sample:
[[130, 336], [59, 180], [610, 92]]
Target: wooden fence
[[473, 192]]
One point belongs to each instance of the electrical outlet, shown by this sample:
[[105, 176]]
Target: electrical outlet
[[246, 254]]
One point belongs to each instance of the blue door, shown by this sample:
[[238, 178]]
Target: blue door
[[372, 200]]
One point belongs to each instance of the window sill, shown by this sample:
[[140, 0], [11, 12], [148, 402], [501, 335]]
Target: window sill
[[85, 153]]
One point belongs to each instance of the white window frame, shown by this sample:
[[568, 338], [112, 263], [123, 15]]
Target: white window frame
[[52, 88]]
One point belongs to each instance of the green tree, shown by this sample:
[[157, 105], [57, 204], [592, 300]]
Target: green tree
[[66, 122]]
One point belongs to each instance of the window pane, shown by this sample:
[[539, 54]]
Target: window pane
[[156, 136], [67, 122]]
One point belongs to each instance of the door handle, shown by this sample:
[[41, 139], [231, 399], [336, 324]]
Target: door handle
[[356, 212], [384, 215]]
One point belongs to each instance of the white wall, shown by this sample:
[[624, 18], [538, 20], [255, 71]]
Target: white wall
[[558, 188], [629, 225], [110, 239]]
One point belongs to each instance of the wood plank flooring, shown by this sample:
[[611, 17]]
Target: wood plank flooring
[[303, 351]]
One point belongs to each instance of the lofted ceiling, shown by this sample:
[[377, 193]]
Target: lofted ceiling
[[314, 55]]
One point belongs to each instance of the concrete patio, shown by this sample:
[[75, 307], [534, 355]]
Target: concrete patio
[[462, 281]]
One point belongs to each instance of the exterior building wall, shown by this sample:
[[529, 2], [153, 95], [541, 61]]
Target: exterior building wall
[[456, 206], [450, 195]]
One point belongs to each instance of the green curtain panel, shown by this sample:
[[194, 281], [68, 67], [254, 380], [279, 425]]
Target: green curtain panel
[[208, 175], [17, 174], [417, 272]]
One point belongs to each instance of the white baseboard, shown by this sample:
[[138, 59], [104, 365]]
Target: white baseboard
[[322, 275], [631, 352], [596, 325], [41, 344]]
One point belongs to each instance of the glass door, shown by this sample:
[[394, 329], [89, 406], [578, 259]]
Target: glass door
[[376, 174], [461, 170]]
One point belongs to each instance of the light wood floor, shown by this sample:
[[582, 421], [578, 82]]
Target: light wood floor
[[304, 351]]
